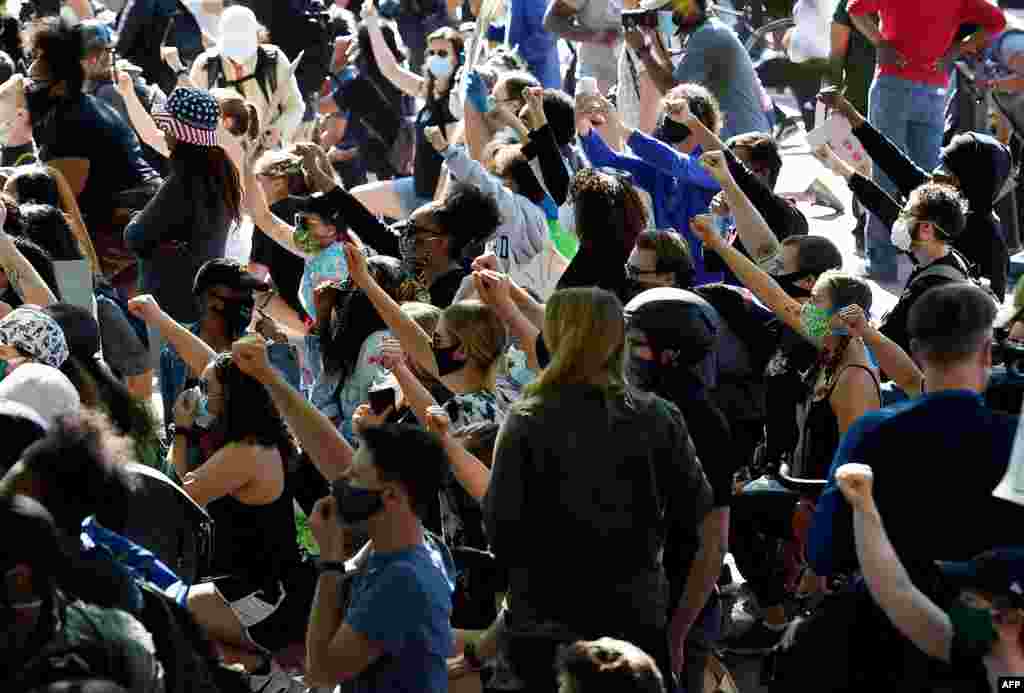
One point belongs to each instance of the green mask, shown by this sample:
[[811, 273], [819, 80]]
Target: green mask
[[4, 368], [975, 628], [304, 238], [815, 321]]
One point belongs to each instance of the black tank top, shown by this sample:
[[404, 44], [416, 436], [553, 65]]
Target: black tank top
[[427, 164], [820, 438], [255, 543]]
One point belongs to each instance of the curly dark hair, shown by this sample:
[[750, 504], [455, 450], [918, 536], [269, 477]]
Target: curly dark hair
[[35, 184], [79, 465], [60, 45], [48, 227], [250, 415], [468, 216]]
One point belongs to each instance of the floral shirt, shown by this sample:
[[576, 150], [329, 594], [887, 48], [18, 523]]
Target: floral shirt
[[461, 515]]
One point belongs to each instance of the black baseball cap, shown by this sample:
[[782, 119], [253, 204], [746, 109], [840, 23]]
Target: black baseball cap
[[998, 572], [323, 206], [229, 273]]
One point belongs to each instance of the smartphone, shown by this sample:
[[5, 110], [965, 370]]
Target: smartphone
[[381, 399]]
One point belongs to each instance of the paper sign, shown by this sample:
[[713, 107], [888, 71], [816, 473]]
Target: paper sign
[[837, 133], [1011, 488]]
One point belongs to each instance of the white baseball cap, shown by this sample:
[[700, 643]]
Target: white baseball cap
[[239, 33]]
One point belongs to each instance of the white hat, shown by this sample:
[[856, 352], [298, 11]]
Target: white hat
[[239, 33], [41, 388]]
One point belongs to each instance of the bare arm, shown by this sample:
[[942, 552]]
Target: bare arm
[[193, 351], [142, 121], [73, 213], [264, 219], [868, 25], [658, 70], [914, 614], [22, 275], [415, 341], [406, 81], [327, 448], [753, 277]]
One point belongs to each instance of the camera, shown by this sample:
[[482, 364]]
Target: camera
[[647, 19]]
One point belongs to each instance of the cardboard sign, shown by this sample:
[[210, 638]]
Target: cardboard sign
[[837, 133]]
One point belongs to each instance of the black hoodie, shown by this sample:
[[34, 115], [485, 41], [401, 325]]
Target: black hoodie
[[982, 166]]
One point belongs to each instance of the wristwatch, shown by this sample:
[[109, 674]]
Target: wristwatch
[[331, 567], [179, 73]]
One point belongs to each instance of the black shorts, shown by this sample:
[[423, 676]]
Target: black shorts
[[272, 618]]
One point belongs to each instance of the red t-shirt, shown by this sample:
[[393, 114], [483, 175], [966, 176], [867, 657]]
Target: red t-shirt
[[923, 30]]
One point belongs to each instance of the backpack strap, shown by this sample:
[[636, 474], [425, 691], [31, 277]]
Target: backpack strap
[[947, 271], [265, 73]]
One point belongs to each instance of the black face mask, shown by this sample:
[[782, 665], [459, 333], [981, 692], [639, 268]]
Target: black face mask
[[672, 132], [788, 284], [446, 361], [237, 315], [356, 504]]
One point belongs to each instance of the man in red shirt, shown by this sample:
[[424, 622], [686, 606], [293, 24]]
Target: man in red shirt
[[914, 40]]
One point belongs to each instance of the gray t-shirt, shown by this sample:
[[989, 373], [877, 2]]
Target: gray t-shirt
[[715, 58]]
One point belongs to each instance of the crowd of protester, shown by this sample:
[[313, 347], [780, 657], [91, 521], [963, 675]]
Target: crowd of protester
[[391, 346]]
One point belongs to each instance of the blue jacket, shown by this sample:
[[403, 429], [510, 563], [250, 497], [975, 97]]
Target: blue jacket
[[537, 46], [678, 185]]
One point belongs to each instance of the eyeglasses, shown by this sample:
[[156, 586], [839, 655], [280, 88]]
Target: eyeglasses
[[442, 53]]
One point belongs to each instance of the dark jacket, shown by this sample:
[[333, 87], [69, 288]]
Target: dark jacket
[[980, 163], [575, 498], [894, 323]]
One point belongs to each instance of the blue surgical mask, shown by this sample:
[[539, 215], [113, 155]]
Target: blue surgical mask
[[439, 67], [666, 26]]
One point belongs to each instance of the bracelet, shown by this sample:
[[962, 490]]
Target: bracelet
[[332, 567], [179, 73]]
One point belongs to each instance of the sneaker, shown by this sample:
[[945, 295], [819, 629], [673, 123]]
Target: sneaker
[[758, 639], [277, 680]]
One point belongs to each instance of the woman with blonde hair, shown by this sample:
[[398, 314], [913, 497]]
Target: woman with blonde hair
[[607, 477], [464, 354]]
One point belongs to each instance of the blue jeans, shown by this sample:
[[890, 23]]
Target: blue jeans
[[911, 115]]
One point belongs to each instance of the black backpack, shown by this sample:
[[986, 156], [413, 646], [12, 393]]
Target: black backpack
[[734, 306], [265, 73]]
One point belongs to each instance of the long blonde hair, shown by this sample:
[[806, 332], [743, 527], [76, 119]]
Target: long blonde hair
[[481, 333], [585, 332]]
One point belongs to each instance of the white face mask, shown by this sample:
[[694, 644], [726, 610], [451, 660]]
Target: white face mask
[[439, 67], [240, 46], [901, 236]]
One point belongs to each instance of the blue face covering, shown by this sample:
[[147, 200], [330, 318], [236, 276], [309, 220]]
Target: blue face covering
[[666, 25]]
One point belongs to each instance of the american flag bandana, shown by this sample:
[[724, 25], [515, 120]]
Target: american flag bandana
[[191, 115]]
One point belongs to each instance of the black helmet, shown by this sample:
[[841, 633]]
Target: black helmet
[[675, 319]]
